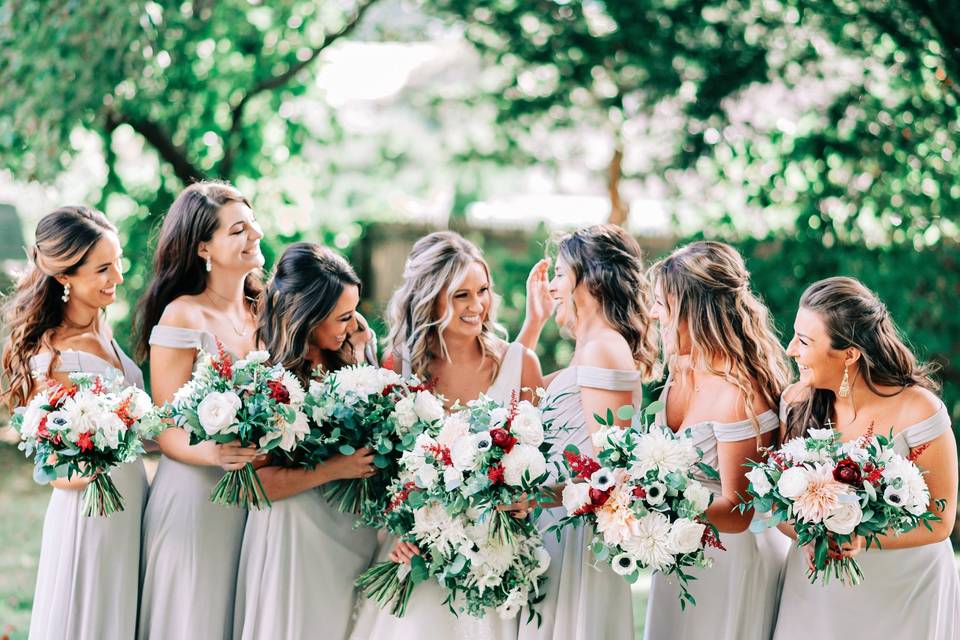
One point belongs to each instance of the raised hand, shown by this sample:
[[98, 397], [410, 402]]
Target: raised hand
[[540, 304]]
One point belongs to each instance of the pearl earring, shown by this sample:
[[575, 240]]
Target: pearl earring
[[209, 265], [66, 292]]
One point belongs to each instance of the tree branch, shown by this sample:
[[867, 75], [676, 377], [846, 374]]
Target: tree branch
[[160, 140], [277, 81]]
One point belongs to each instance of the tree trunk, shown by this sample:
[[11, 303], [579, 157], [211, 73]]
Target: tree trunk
[[619, 210]]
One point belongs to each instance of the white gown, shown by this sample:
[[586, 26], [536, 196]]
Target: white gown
[[426, 615]]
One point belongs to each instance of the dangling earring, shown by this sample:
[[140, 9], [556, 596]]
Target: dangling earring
[[844, 389], [209, 265], [66, 292]]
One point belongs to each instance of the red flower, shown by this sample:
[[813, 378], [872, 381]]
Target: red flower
[[583, 466], [97, 387], [278, 392], [848, 472], [441, 453], [917, 451], [223, 363], [123, 411], [709, 538], [495, 474], [401, 496], [42, 431], [60, 392], [639, 492], [503, 439], [874, 473], [598, 497], [84, 442]]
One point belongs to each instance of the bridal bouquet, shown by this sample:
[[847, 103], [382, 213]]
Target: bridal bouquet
[[642, 498], [246, 401], [366, 406], [833, 491], [86, 429], [446, 501]]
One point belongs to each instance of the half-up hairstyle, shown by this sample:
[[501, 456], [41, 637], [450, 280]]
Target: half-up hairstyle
[[64, 239], [856, 318], [178, 268], [706, 287], [609, 263], [437, 265], [303, 291]]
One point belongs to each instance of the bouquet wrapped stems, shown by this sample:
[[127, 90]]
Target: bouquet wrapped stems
[[100, 496], [505, 529], [241, 487], [387, 582], [349, 496]]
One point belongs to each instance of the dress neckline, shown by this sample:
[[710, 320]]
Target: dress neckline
[[663, 398]]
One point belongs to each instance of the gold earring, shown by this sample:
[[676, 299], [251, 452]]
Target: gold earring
[[844, 389]]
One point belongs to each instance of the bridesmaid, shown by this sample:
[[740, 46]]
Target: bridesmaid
[[856, 372], [205, 290], [600, 292], [727, 371], [88, 573], [299, 559], [443, 329]]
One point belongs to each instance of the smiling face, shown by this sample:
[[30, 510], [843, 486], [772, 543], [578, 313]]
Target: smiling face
[[331, 332], [821, 366], [94, 284], [469, 303], [235, 245], [562, 288]]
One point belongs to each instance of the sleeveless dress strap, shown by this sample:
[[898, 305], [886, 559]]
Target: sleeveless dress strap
[[609, 379], [746, 429], [929, 429]]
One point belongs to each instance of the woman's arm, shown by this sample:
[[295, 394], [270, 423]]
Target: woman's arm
[[282, 482], [531, 377], [724, 511], [540, 305]]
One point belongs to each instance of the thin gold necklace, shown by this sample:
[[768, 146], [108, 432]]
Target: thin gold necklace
[[243, 332]]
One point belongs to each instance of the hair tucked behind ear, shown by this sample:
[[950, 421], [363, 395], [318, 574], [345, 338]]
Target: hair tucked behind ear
[[706, 286], [64, 239], [855, 317], [609, 263], [303, 291]]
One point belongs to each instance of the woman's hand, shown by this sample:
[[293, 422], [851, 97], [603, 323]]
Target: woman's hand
[[854, 547], [358, 464], [232, 455], [403, 552], [540, 304], [520, 509]]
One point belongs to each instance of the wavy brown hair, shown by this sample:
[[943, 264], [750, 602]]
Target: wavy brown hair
[[304, 290], [64, 239], [608, 261], [855, 317], [706, 287], [436, 265], [177, 267]]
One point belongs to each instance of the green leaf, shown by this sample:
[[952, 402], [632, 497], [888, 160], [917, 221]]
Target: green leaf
[[626, 412], [418, 570], [346, 450], [708, 471]]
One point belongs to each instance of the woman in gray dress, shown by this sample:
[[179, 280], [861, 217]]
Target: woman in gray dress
[[299, 558], [856, 374], [204, 295], [88, 572], [727, 371], [600, 296]]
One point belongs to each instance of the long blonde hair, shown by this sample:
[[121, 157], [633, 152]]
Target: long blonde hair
[[64, 239], [706, 286], [437, 264]]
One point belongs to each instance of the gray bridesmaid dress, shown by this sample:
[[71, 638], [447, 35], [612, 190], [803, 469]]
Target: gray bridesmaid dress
[[906, 594], [191, 546], [737, 596], [585, 600], [89, 566]]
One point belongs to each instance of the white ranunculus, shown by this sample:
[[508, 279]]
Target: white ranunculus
[[109, 428], [455, 427], [685, 535], [527, 426], [464, 453], [576, 495], [32, 416], [452, 478], [406, 414], [844, 518], [855, 452], [793, 482], [427, 476], [218, 412], [523, 458], [255, 357], [498, 416], [427, 406], [821, 434], [698, 495], [651, 544], [761, 483], [795, 450], [623, 564]]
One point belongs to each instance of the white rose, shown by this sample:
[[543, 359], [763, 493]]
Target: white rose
[[761, 483], [855, 452], [821, 434], [109, 428], [498, 416], [454, 428], [685, 536], [452, 478], [527, 426], [464, 453], [32, 416], [427, 476], [698, 495], [218, 411], [427, 406], [254, 357], [576, 495], [523, 458], [406, 414], [845, 518], [793, 482]]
